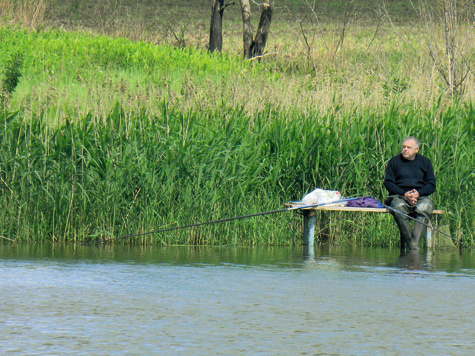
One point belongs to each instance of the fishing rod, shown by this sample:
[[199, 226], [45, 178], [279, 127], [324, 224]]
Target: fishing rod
[[222, 220], [427, 225]]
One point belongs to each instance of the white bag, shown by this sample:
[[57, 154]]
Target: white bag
[[320, 196]]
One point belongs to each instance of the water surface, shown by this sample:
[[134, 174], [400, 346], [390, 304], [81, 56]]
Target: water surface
[[120, 300]]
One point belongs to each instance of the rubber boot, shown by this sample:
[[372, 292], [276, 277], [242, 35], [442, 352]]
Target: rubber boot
[[405, 232], [417, 234]]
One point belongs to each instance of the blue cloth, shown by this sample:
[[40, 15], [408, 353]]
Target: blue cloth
[[365, 203]]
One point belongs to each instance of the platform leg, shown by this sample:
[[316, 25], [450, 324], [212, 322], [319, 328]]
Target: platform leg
[[429, 238], [308, 228]]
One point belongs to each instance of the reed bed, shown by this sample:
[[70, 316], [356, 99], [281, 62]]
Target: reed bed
[[132, 173]]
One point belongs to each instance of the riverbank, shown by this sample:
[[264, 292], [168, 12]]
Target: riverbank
[[103, 136]]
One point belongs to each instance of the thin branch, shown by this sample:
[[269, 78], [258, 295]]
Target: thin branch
[[395, 28], [342, 33], [225, 6], [263, 55], [312, 9], [375, 33], [308, 48]]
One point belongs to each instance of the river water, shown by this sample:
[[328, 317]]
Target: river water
[[120, 300]]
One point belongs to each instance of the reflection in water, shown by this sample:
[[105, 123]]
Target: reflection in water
[[357, 257], [107, 300], [415, 260], [349, 256]]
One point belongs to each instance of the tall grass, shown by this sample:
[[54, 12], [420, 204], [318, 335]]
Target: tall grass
[[29, 13], [135, 173]]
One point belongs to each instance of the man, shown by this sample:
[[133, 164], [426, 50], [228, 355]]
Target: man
[[410, 181]]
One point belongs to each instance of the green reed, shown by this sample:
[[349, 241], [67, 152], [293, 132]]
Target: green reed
[[136, 172]]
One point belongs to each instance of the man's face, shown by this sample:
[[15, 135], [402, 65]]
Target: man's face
[[409, 150]]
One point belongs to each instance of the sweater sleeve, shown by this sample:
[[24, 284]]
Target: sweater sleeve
[[429, 180]]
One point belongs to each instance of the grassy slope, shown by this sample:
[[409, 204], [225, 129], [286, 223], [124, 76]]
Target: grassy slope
[[309, 67], [383, 54]]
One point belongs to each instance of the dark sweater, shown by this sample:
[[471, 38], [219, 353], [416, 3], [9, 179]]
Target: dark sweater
[[403, 175]]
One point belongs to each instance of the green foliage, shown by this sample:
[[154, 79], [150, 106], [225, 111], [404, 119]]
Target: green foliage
[[70, 73], [11, 77], [12, 73], [67, 53], [134, 173]]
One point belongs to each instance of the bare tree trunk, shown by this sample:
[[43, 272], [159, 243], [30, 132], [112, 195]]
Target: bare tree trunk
[[254, 48], [216, 27], [259, 43], [246, 28]]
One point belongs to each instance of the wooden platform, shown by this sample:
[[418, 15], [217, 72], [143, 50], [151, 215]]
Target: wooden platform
[[329, 207], [309, 215]]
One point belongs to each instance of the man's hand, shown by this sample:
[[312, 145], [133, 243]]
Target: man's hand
[[412, 195]]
